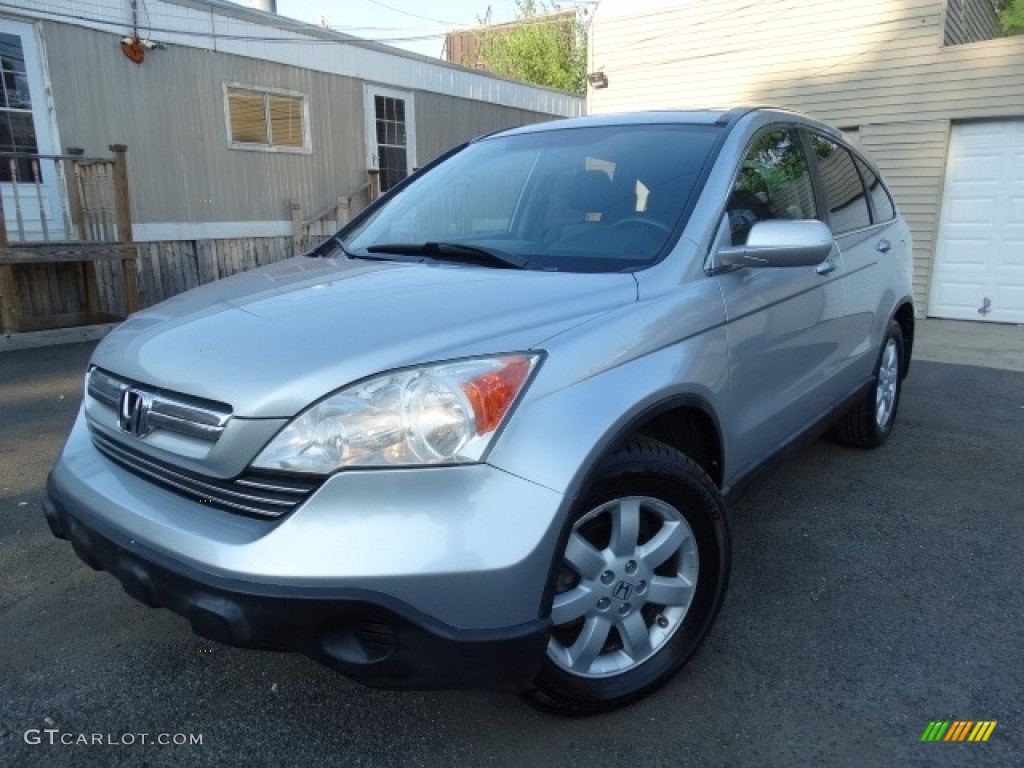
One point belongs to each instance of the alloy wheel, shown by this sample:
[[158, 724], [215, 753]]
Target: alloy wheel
[[629, 574]]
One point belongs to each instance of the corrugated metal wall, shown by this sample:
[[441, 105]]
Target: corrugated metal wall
[[442, 122], [170, 112], [875, 64]]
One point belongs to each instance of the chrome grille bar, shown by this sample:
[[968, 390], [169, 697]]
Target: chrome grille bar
[[249, 494]]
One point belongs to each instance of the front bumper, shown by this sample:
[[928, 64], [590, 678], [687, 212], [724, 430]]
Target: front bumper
[[367, 636], [414, 578]]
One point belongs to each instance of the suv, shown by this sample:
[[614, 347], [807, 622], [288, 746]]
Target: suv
[[484, 434]]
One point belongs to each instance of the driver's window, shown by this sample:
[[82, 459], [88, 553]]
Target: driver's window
[[773, 182]]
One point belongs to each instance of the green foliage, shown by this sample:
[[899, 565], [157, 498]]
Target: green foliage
[[540, 48], [1011, 16]]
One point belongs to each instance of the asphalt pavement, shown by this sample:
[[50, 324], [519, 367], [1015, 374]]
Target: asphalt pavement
[[872, 593]]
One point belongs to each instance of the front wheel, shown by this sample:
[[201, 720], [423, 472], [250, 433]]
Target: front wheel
[[640, 582], [870, 422]]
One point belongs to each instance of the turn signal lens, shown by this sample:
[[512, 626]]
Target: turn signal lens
[[492, 394]]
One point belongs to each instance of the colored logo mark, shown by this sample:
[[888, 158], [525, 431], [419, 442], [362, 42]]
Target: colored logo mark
[[958, 730]]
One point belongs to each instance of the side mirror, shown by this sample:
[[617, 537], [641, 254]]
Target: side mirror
[[780, 243]]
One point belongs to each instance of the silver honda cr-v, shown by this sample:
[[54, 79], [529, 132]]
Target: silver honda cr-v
[[483, 435]]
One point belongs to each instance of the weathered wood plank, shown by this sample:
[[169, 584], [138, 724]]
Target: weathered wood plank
[[89, 289], [48, 322], [156, 280], [45, 253], [9, 300], [122, 202], [130, 286], [206, 261]]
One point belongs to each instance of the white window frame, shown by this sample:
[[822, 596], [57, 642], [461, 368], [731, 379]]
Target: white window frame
[[43, 120], [370, 124], [307, 144]]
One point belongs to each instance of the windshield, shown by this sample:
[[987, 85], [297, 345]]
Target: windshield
[[597, 199]]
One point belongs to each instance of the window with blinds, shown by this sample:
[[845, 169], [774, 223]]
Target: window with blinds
[[263, 119]]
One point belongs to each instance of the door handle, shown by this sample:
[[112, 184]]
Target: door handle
[[884, 245], [826, 267]]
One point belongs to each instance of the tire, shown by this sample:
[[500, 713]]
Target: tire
[[643, 574], [870, 422]]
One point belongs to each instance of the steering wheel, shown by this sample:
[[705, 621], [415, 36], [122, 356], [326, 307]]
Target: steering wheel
[[639, 220]]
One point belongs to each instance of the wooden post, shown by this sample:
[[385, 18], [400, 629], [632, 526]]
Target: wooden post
[[296, 229], [374, 184], [344, 211], [121, 200], [129, 266], [74, 197], [3, 224], [86, 269], [8, 297]]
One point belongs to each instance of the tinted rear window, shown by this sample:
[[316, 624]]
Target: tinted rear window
[[844, 191]]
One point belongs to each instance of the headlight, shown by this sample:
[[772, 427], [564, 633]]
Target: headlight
[[439, 414]]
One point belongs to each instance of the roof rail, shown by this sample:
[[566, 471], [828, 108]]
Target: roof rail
[[734, 114]]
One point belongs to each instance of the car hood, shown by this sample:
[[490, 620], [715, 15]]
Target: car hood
[[270, 341]]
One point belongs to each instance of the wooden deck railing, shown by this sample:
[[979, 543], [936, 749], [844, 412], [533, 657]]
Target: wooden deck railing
[[309, 233], [61, 212]]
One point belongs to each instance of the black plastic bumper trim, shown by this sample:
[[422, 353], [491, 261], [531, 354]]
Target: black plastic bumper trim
[[368, 636]]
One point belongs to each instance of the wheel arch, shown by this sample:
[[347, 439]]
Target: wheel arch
[[676, 420], [689, 426], [904, 315]]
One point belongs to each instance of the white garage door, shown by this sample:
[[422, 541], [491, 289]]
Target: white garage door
[[979, 258]]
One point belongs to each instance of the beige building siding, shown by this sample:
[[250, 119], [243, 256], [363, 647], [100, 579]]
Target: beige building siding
[[912, 157], [877, 65]]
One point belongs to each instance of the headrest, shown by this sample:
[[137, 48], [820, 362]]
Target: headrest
[[590, 192]]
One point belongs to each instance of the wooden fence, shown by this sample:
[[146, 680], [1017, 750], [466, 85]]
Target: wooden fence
[[54, 293], [63, 220], [309, 233], [169, 268]]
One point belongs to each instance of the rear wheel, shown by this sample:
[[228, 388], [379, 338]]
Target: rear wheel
[[641, 580], [870, 422]]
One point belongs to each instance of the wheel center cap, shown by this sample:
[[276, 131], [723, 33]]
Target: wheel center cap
[[622, 590]]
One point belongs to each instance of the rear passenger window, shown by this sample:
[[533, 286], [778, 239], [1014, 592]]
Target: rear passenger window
[[844, 191], [880, 200], [773, 183]]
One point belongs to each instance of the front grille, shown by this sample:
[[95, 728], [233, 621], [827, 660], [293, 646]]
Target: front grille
[[159, 410], [256, 494]]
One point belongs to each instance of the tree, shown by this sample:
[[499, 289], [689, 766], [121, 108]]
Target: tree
[[1011, 16], [543, 46]]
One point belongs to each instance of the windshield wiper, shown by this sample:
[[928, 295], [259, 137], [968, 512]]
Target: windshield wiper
[[469, 254]]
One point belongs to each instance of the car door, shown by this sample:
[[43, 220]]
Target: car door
[[784, 324], [863, 219]]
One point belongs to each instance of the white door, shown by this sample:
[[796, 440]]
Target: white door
[[979, 257], [30, 189], [390, 134]]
